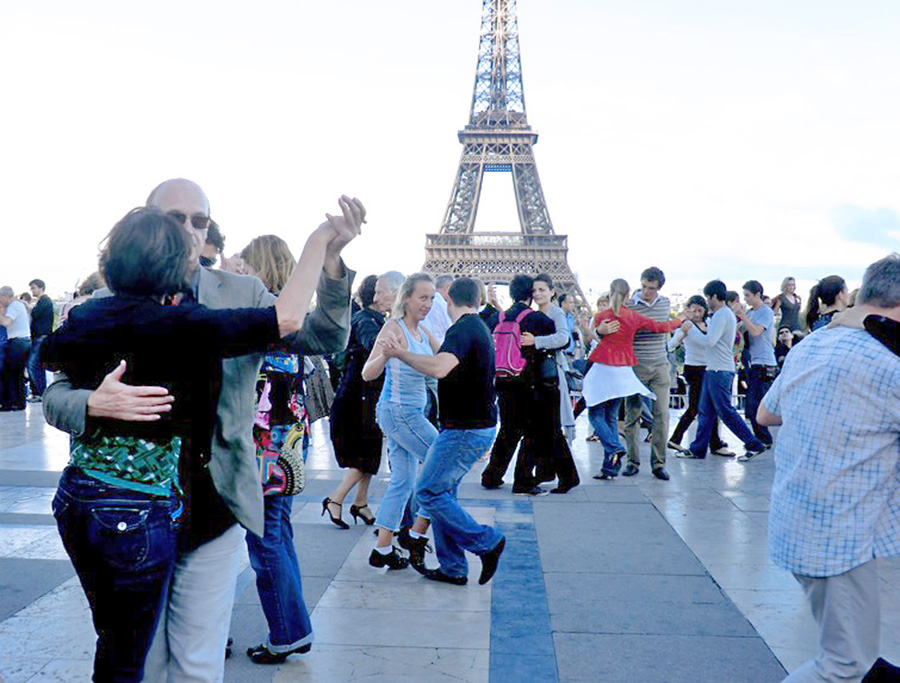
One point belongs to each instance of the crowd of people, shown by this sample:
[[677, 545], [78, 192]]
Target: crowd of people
[[182, 454]]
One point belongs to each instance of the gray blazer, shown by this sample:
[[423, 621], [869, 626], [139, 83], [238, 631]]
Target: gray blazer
[[233, 464]]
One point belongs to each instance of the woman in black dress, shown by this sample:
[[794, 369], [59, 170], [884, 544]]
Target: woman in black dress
[[355, 434]]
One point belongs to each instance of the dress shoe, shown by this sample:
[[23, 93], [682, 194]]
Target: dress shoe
[[337, 521], [566, 488], [363, 512], [261, 654], [490, 485], [438, 575], [630, 470], [417, 548], [534, 491], [489, 561], [393, 560], [660, 473]]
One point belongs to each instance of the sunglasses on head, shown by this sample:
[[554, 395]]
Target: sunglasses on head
[[199, 221]]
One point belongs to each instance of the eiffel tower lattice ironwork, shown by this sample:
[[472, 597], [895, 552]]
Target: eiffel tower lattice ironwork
[[498, 138]]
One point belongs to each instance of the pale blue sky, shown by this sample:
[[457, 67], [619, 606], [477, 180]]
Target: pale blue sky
[[713, 139]]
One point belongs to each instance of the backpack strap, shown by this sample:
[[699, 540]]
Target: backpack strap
[[521, 316]]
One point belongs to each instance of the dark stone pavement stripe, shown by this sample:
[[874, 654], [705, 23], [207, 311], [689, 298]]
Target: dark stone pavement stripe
[[24, 581]]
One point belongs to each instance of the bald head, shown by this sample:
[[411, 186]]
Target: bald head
[[185, 197], [179, 194]]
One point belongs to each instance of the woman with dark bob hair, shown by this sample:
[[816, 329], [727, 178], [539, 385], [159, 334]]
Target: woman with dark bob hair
[[124, 498]]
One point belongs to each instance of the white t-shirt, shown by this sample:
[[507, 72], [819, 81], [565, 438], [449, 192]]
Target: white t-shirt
[[438, 320], [21, 326]]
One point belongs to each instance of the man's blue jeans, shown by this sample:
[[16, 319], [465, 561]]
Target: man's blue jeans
[[450, 457], [35, 368], [604, 418], [715, 400], [278, 581], [409, 435], [122, 544], [759, 379]]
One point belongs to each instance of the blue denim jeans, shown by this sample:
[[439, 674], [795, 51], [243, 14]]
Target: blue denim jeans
[[758, 382], [409, 434], [278, 581], [36, 368], [450, 457], [715, 401], [604, 418], [122, 544]]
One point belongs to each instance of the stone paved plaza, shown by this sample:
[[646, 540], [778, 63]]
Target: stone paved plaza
[[630, 580]]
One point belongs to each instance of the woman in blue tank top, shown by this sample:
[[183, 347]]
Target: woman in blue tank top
[[401, 416]]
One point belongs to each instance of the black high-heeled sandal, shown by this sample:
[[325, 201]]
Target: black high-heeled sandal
[[337, 521], [357, 511]]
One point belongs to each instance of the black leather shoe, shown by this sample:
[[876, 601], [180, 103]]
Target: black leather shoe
[[438, 575], [263, 655], [489, 562], [630, 470], [393, 560], [566, 488], [660, 473], [490, 485], [417, 548]]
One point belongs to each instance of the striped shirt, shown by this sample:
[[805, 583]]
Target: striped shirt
[[836, 490], [650, 347]]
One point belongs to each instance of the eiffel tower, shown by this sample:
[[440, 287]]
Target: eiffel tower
[[499, 139]]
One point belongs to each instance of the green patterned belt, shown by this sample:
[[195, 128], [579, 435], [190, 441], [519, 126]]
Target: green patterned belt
[[129, 462]]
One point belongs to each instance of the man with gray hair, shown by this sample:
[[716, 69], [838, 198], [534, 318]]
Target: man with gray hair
[[15, 319], [835, 494]]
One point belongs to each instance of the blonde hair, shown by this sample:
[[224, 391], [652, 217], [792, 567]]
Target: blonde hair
[[271, 258], [406, 291], [784, 283], [618, 292]]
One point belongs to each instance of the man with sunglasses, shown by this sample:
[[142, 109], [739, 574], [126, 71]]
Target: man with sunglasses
[[191, 637]]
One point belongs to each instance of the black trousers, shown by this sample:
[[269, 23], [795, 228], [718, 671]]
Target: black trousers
[[515, 400], [13, 379]]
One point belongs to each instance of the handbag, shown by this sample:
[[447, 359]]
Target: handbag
[[547, 373], [575, 381], [282, 471]]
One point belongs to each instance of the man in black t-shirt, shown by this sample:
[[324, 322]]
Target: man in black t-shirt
[[41, 326], [464, 366], [520, 416]]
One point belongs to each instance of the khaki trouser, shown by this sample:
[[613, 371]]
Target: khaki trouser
[[656, 379], [848, 612]]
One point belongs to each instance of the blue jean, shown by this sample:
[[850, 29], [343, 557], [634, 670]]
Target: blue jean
[[604, 418], [278, 580], [715, 401], [759, 380], [450, 457], [122, 544], [409, 434], [36, 368]]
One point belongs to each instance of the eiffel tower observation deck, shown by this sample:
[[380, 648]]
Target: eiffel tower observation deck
[[499, 139]]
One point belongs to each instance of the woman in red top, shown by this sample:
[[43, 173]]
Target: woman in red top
[[611, 378]]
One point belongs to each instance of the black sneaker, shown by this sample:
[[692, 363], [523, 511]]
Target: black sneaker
[[393, 560]]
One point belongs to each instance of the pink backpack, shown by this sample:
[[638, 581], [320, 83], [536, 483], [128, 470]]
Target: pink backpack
[[509, 360]]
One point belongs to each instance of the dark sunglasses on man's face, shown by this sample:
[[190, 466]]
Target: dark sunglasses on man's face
[[199, 221]]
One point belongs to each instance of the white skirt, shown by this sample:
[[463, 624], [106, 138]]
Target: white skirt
[[605, 382]]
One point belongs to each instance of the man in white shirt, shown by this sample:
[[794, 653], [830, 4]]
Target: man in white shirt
[[438, 319], [715, 395], [14, 317]]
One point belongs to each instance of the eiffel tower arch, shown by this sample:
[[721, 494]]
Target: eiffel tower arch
[[499, 139]]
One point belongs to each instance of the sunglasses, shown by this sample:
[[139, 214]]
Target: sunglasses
[[199, 221]]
